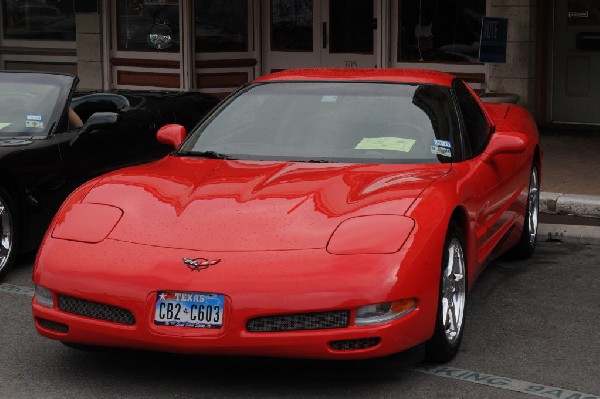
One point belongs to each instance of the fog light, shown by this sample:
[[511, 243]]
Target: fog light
[[43, 296], [384, 312]]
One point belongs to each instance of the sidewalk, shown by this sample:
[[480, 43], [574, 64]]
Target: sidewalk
[[571, 172], [570, 184]]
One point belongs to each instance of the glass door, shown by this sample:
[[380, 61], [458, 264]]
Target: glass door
[[349, 30], [291, 34], [313, 33]]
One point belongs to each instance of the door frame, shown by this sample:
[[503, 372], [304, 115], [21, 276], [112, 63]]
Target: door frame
[[381, 11]]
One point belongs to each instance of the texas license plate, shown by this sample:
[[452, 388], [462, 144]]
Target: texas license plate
[[189, 309]]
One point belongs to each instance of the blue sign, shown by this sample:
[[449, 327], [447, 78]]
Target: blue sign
[[494, 32]]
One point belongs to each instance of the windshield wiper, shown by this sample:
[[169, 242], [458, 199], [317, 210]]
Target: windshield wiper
[[210, 154]]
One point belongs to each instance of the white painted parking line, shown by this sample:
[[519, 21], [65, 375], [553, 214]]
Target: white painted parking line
[[509, 384], [15, 289]]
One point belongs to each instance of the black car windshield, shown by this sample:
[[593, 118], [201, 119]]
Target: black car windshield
[[31, 102], [331, 122]]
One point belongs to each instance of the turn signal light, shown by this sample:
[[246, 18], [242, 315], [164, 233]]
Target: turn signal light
[[384, 312]]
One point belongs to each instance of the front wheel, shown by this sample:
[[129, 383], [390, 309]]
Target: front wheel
[[8, 234], [450, 319]]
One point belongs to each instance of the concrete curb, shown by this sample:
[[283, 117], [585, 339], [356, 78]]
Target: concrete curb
[[570, 204], [569, 233]]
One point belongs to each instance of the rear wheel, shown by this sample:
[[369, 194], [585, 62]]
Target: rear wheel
[[450, 319], [8, 233], [526, 245]]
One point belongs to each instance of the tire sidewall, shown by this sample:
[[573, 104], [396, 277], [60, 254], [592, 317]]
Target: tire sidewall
[[6, 199], [524, 247], [438, 348]]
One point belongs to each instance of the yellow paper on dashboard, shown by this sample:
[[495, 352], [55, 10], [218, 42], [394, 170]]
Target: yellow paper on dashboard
[[3, 125], [386, 143]]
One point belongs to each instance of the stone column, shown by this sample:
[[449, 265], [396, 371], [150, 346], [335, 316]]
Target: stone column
[[89, 51], [516, 75]]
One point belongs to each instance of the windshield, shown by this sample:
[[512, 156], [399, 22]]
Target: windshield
[[331, 122], [31, 103]]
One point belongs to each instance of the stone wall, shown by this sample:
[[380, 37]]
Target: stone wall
[[517, 75], [89, 51]]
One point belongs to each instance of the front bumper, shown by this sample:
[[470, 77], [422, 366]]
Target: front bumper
[[123, 275]]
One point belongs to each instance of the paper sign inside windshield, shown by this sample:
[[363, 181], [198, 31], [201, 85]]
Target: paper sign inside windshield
[[386, 143], [328, 99], [3, 125]]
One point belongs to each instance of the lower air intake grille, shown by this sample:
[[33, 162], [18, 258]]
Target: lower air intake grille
[[299, 321], [95, 310], [52, 325], [354, 344]]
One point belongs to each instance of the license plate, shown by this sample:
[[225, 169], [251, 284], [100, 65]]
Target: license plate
[[189, 309]]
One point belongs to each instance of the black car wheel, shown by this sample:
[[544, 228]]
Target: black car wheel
[[450, 319], [8, 235]]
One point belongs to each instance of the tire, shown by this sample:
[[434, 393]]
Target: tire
[[8, 233], [526, 245], [450, 316]]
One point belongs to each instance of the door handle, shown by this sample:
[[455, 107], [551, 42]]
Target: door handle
[[324, 35]]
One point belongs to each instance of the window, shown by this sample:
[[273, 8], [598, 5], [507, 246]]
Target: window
[[221, 25], [332, 122], [34, 20], [475, 122], [440, 30], [143, 27], [292, 25], [351, 26]]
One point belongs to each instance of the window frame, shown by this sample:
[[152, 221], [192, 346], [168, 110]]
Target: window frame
[[469, 151]]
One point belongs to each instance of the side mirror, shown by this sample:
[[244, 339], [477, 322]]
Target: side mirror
[[98, 120], [172, 135], [505, 143]]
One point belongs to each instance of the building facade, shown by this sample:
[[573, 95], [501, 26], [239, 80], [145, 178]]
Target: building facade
[[552, 47]]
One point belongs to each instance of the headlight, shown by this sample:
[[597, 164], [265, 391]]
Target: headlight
[[374, 234], [44, 297], [89, 223], [384, 312]]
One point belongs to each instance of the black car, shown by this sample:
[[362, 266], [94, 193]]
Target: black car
[[52, 140]]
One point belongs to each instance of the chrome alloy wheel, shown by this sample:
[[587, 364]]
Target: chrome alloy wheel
[[6, 234], [533, 205], [453, 292]]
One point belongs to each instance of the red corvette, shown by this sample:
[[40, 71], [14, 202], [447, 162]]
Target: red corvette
[[336, 214]]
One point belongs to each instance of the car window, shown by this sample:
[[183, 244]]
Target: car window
[[332, 122], [31, 103], [25, 107], [474, 119]]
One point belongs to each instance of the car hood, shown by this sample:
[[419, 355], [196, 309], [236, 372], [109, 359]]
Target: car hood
[[219, 205]]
